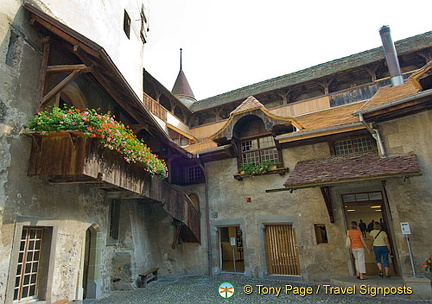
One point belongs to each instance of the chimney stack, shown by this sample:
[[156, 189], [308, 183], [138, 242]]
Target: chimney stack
[[391, 56]]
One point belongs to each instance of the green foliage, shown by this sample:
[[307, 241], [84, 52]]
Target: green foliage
[[112, 134], [257, 168], [428, 264]]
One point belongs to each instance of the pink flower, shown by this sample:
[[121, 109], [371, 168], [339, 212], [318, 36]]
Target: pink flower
[[61, 122]]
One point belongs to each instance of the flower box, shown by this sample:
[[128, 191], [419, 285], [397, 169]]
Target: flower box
[[69, 157], [280, 171]]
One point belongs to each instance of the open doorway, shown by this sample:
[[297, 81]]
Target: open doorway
[[231, 245], [366, 208]]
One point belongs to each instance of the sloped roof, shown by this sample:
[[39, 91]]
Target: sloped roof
[[389, 93], [327, 171], [349, 62], [250, 103], [181, 86], [326, 122], [104, 70], [202, 145]]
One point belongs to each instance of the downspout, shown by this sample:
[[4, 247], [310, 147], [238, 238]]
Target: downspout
[[207, 210], [375, 134]]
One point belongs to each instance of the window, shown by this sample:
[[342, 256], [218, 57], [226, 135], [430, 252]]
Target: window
[[320, 233], [143, 25], [114, 219], [195, 174], [259, 150], [126, 24], [353, 145], [28, 266]]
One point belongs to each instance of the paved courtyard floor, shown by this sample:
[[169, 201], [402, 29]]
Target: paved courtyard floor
[[202, 289]]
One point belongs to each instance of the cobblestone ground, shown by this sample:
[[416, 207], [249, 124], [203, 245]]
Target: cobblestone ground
[[196, 289]]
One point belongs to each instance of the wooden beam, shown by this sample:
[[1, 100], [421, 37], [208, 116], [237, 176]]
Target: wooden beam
[[325, 191], [60, 86], [61, 30], [139, 127], [42, 72], [64, 68]]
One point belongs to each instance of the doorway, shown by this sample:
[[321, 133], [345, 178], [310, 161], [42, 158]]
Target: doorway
[[282, 251], [86, 261], [231, 248], [91, 263], [366, 208]]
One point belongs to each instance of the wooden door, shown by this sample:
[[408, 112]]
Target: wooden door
[[282, 251]]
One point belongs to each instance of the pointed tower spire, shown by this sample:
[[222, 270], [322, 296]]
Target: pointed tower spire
[[181, 59], [181, 88]]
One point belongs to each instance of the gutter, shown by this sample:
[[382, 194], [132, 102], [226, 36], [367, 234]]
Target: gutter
[[375, 134], [419, 95], [220, 148], [284, 138]]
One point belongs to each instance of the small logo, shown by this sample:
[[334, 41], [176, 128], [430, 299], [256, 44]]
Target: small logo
[[226, 290]]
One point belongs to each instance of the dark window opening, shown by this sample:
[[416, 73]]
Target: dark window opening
[[126, 24], [143, 25], [321, 233], [195, 174], [114, 219]]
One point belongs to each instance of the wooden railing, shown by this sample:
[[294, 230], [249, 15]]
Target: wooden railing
[[154, 107], [178, 205]]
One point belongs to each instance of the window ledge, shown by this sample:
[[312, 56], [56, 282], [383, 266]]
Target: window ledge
[[280, 171]]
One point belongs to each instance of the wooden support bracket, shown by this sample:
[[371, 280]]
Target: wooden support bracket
[[325, 191]]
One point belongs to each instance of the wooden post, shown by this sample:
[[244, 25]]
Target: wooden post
[[42, 73]]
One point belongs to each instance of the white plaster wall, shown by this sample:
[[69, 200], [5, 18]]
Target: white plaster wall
[[102, 22]]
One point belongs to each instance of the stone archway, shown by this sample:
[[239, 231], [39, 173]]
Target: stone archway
[[91, 266]]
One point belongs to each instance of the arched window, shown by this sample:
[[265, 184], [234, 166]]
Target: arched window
[[195, 201], [257, 145]]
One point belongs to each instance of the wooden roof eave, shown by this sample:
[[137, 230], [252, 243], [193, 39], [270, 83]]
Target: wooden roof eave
[[221, 152], [303, 135], [104, 70], [181, 132], [397, 108], [292, 120], [344, 181]]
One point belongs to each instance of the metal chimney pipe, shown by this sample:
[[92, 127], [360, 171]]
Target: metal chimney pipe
[[391, 56]]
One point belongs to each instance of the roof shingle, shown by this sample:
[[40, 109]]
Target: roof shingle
[[325, 171]]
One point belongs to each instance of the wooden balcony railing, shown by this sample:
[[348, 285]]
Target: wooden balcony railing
[[154, 107], [180, 207]]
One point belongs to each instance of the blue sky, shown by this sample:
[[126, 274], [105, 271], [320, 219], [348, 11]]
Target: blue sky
[[228, 44]]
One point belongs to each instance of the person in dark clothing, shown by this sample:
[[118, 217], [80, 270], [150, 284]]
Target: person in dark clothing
[[370, 226], [362, 227]]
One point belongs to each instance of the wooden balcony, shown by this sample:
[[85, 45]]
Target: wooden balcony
[[154, 107], [72, 158]]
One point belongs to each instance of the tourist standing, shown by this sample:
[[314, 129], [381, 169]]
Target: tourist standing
[[358, 246]]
